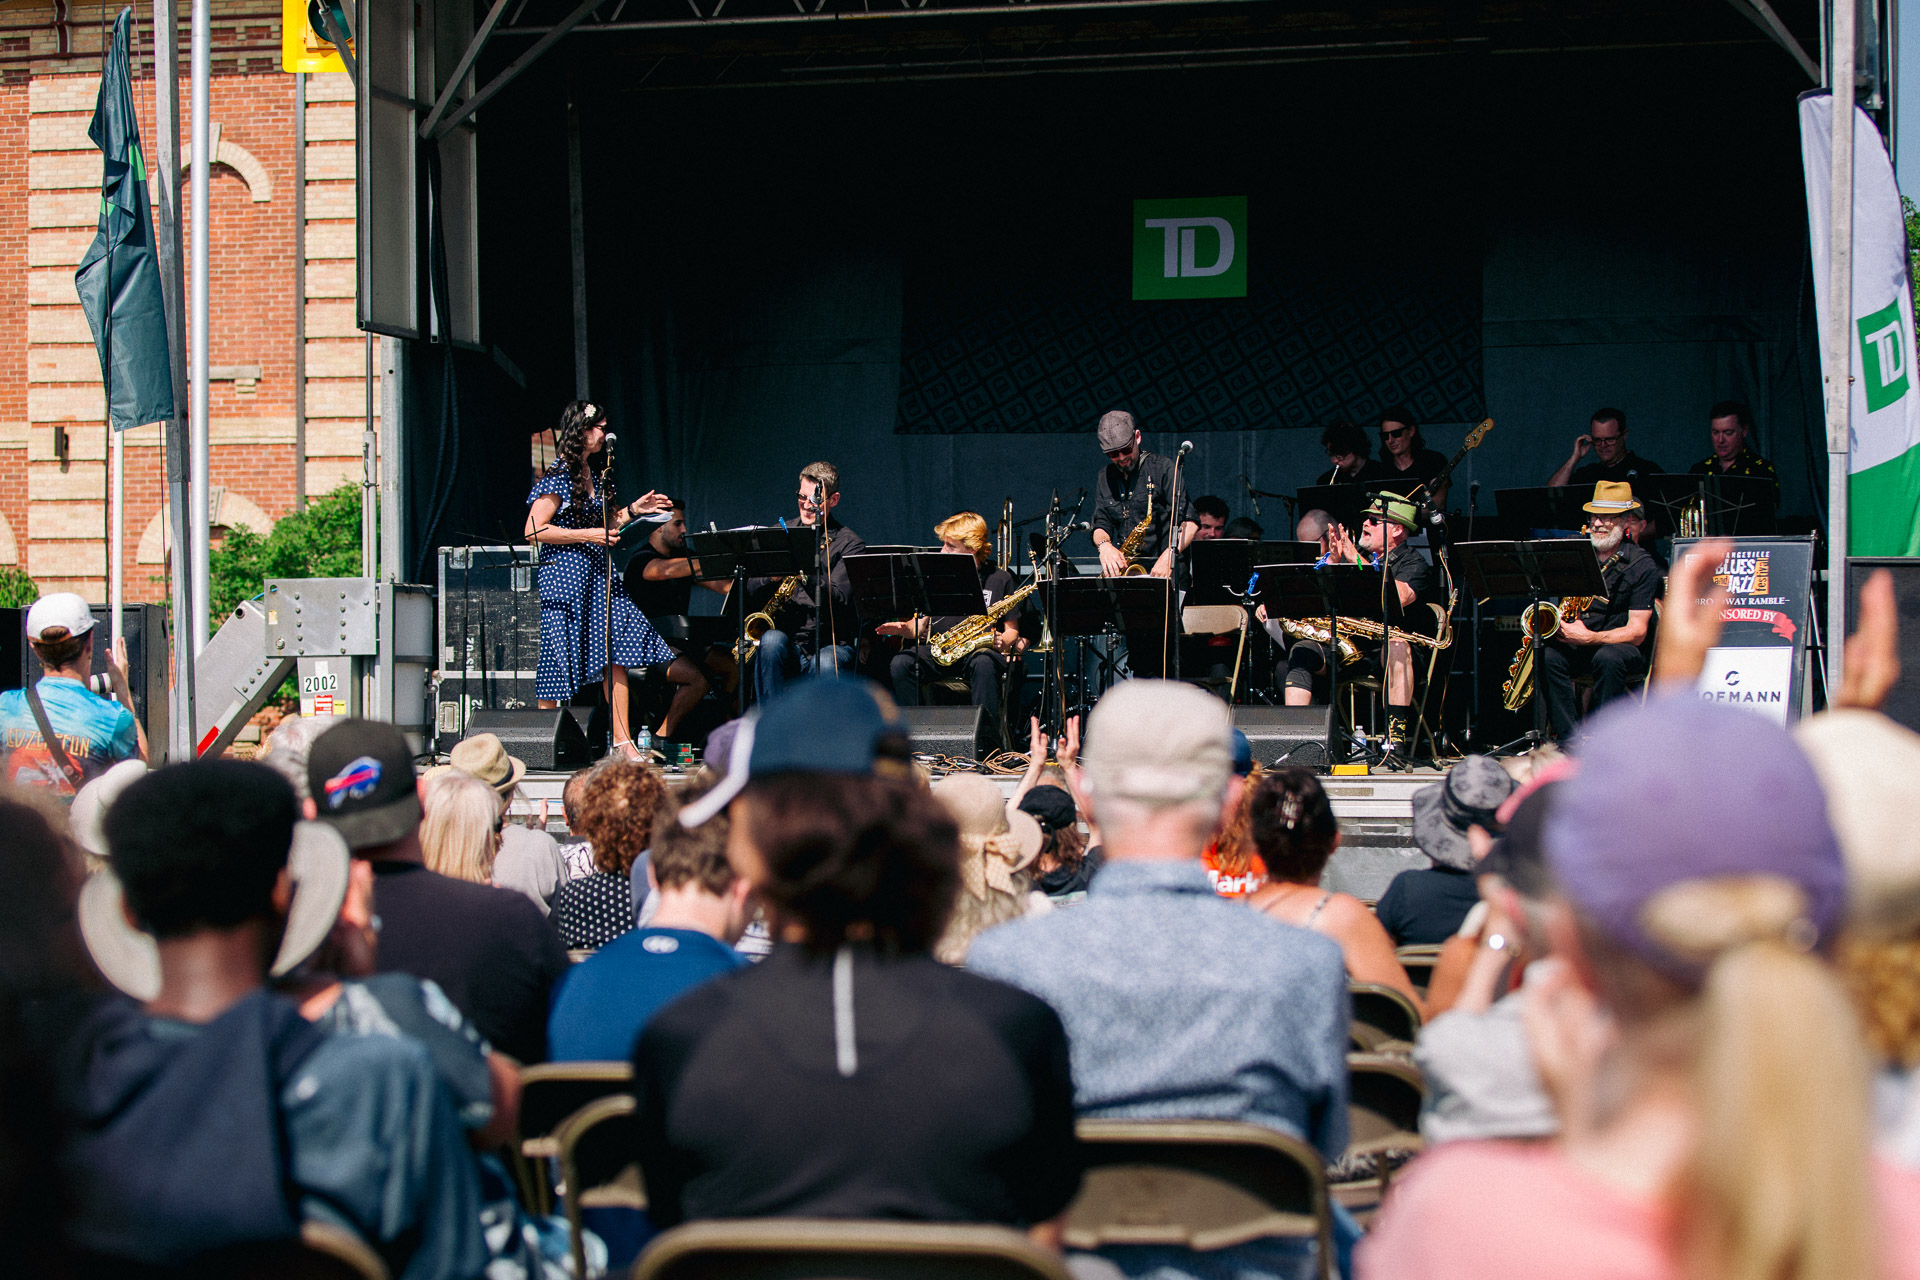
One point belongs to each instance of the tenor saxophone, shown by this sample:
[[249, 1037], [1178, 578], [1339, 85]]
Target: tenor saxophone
[[1131, 547], [1539, 623], [758, 624], [964, 639], [1319, 629]]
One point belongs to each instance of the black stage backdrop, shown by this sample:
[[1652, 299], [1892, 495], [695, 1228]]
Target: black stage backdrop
[[770, 271]]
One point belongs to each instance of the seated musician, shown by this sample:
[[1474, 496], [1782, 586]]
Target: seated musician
[[1728, 425], [799, 628], [660, 581], [1390, 520], [1351, 453], [1608, 641], [963, 534]]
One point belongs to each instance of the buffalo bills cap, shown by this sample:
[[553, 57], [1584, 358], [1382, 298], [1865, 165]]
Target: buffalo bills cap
[[823, 724], [361, 775]]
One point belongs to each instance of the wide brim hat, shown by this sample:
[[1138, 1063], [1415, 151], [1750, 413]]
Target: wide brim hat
[[87, 814], [319, 862], [1611, 498], [1864, 760], [1470, 795], [485, 757], [1395, 508]]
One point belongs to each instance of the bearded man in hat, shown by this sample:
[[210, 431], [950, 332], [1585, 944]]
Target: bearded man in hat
[[1609, 639], [1390, 521]]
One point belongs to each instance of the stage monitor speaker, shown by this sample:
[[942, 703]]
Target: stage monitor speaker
[[945, 731], [1903, 702], [549, 739], [1287, 735]]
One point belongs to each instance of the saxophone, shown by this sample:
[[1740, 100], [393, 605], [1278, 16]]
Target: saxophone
[[964, 639], [758, 624], [1541, 622], [1131, 547], [1320, 630]]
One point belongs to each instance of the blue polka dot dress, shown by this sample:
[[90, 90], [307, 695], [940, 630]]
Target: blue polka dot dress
[[573, 603]]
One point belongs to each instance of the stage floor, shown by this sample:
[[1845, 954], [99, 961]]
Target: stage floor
[[1375, 813]]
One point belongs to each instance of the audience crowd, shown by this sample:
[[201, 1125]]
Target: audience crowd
[[1667, 1007]]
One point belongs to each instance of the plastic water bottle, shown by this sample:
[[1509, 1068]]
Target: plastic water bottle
[[644, 741]]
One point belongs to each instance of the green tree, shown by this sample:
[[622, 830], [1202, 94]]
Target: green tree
[[1913, 237], [17, 590], [321, 542]]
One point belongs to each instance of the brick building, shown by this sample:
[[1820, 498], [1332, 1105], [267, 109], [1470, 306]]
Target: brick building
[[53, 476]]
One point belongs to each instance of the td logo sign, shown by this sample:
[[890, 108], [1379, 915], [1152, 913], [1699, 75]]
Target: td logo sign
[[1883, 356], [1190, 248]]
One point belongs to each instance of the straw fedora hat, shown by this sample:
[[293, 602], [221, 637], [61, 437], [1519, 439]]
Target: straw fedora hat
[[996, 839], [485, 757], [319, 862], [1612, 498]]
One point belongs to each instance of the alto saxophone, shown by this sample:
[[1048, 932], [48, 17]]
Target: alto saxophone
[[758, 624], [1541, 622], [1131, 547], [964, 639]]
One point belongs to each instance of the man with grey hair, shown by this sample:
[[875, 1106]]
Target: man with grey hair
[[1120, 503], [1177, 1002]]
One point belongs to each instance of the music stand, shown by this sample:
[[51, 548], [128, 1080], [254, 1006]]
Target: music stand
[[1560, 507], [1733, 505], [890, 585], [1535, 570], [1222, 566], [1344, 502], [756, 551], [1087, 607], [1331, 591]]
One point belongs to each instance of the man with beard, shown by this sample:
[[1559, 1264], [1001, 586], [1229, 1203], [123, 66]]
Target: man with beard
[[1608, 640], [789, 649], [1120, 503], [659, 581]]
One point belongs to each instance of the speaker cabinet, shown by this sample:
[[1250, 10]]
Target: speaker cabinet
[[1287, 735], [548, 739], [945, 731], [1903, 702]]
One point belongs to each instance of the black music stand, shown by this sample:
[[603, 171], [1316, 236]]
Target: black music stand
[[1088, 607], [1540, 509], [756, 551], [889, 585], [1536, 571], [1222, 566], [1331, 591], [1733, 505]]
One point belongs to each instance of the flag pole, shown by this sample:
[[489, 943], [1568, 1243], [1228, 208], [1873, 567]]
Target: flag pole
[[201, 57], [1839, 338]]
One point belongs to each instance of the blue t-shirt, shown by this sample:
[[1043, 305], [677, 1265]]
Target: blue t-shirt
[[607, 998], [97, 733]]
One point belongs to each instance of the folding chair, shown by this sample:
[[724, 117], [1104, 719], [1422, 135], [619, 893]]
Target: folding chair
[[322, 1251], [1384, 1098], [1198, 1184], [1384, 1020], [549, 1093], [1218, 620], [814, 1249], [599, 1151], [1419, 959], [1376, 686]]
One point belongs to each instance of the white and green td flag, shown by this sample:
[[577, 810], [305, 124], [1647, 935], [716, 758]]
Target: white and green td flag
[[1883, 489]]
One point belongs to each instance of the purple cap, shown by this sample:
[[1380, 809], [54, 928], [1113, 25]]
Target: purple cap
[[1680, 789]]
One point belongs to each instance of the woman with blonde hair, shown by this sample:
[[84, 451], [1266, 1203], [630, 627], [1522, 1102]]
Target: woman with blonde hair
[[1709, 1075], [964, 534], [998, 844], [460, 826]]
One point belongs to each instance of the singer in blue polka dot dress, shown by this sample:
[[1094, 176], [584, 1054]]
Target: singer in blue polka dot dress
[[564, 515]]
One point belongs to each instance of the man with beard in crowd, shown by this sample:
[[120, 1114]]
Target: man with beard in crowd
[[1609, 640]]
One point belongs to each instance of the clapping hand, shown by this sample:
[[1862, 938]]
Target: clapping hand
[[1690, 616], [1871, 663]]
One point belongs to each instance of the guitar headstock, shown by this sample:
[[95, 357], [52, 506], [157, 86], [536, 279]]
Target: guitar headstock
[[1475, 436]]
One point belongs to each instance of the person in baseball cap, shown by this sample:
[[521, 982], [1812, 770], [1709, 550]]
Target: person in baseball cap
[[59, 734], [490, 948]]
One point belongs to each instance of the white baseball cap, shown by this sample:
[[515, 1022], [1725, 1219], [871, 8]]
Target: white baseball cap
[[61, 609]]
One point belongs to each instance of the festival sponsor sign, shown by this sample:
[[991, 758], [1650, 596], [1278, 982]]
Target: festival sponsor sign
[[1759, 662], [1190, 248]]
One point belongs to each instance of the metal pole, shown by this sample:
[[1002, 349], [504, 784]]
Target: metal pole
[[577, 225], [1840, 339], [300, 291], [198, 531], [369, 478], [116, 561], [166, 219]]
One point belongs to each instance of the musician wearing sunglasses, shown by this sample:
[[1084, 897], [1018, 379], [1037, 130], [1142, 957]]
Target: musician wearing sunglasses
[[789, 649], [1404, 455], [1412, 585], [1608, 639], [1120, 505]]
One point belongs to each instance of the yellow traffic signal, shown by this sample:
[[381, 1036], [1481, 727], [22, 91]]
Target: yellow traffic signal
[[303, 42]]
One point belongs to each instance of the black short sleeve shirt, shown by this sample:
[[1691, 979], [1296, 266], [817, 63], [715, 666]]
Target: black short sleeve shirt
[[1633, 583], [660, 599]]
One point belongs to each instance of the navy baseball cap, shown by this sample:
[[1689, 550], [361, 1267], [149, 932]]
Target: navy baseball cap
[[1242, 753], [823, 724], [360, 773]]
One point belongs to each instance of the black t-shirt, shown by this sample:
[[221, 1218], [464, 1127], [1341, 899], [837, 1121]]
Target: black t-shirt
[[1120, 503], [1630, 465], [657, 599], [1633, 582], [1426, 906], [958, 1108], [1369, 470], [1427, 463], [491, 950], [1406, 564], [995, 586]]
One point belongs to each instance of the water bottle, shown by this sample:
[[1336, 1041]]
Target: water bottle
[[644, 741]]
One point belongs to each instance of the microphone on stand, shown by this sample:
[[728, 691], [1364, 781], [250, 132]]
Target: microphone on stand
[[1186, 447], [1251, 495], [1473, 497]]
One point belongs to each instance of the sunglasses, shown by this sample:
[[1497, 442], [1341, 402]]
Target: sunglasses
[[1117, 454], [1395, 435], [808, 499]]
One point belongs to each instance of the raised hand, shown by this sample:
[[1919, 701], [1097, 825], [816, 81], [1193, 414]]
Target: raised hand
[[1690, 616], [1872, 662]]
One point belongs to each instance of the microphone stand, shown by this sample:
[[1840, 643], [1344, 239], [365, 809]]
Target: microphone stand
[[606, 551]]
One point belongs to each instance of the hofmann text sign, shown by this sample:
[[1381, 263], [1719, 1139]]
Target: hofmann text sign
[[1194, 248]]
